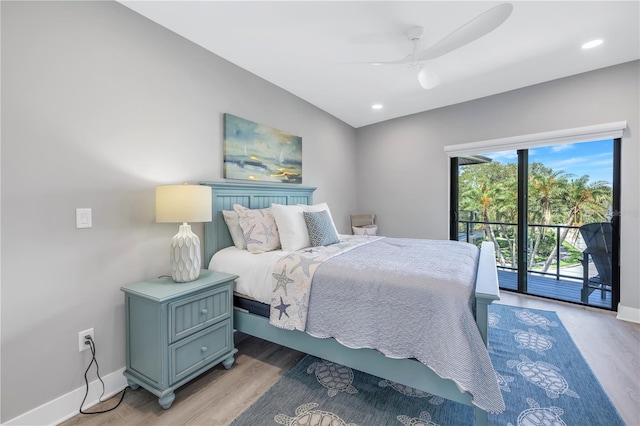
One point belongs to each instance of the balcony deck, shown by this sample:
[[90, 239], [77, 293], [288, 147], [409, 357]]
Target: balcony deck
[[562, 289]]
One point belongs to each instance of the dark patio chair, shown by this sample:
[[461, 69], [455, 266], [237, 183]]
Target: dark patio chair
[[598, 237]]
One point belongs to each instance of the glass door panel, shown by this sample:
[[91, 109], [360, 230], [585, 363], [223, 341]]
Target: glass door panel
[[569, 186], [488, 207]]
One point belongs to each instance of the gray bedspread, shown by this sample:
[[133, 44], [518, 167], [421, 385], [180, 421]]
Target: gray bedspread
[[408, 298]]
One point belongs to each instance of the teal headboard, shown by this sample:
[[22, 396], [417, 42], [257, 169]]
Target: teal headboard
[[251, 195]]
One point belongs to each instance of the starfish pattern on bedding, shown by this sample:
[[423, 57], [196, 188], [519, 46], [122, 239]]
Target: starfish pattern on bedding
[[267, 231], [282, 307], [303, 306], [247, 236], [295, 254], [305, 263], [282, 280]]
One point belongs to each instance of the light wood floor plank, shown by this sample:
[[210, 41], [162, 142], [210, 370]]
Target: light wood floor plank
[[611, 348]]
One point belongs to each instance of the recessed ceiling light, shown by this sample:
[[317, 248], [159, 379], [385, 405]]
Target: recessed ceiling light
[[376, 106], [592, 44]]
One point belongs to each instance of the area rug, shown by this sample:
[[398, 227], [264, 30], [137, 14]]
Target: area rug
[[543, 377]]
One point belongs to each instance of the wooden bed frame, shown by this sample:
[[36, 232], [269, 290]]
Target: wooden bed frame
[[408, 372]]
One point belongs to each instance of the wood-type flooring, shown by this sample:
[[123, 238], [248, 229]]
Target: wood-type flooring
[[610, 346]]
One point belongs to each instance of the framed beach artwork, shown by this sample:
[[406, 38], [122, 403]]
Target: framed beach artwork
[[259, 153]]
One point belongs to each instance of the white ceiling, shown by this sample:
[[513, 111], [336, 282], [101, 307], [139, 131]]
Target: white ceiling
[[315, 49]]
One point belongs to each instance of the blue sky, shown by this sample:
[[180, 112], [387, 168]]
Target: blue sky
[[587, 158]]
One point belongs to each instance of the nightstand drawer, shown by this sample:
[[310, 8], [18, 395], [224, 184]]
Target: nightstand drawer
[[195, 313], [198, 350]]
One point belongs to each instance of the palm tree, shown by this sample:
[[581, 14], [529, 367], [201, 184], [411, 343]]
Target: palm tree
[[586, 201], [545, 186], [480, 186], [506, 212]]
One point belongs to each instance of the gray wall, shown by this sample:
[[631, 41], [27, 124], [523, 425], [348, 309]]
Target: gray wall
[[403, 170], [99, 106]]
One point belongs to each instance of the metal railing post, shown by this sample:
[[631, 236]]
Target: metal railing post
[[557, 253]]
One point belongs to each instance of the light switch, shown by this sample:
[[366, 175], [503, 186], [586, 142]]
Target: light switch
[[83, 218]]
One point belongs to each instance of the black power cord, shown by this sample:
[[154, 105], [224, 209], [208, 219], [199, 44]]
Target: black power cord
[[92, 346]]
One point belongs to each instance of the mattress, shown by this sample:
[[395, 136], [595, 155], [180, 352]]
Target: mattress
[[254, 270]]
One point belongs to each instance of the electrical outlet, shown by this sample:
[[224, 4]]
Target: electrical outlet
[[82, 346]]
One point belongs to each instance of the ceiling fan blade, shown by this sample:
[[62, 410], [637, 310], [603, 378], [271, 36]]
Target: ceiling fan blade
[[479, 26], [428, 78], [406, 60]]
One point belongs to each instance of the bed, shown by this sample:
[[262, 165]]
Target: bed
[[409, 372]]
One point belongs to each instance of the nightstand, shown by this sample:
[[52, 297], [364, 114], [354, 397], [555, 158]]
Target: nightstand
[[177, 331]]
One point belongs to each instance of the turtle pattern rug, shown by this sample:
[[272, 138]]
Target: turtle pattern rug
[[543, 377]]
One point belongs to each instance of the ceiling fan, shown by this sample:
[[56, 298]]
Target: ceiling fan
[[474, 29]]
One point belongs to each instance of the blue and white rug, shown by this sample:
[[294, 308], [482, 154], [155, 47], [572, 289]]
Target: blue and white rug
[[543, 377]]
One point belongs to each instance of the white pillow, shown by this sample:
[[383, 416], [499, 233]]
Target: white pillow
[[291, 227], [294, 234], [365, 230], [259, 229], [232, 220]]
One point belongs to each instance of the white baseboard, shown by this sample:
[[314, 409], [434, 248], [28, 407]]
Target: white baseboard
[[68, 405], [626, 313]]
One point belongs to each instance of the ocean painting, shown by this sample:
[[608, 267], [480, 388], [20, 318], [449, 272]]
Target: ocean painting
[[259, 153]]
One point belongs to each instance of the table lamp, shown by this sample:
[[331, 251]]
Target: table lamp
[[184, 203]]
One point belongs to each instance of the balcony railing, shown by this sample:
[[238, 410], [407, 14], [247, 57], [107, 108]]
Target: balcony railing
[[571, 281], [474, 231]]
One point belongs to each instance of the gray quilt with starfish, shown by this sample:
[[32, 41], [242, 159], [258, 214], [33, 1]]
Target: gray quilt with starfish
[[408, 298], [292, 278]]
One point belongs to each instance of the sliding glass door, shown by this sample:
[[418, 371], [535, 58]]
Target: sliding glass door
[[550, 213]]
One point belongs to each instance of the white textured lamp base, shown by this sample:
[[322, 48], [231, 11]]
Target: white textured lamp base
[[185, 255]]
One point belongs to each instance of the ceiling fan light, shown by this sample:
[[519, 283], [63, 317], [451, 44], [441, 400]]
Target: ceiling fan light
[[428, 78]]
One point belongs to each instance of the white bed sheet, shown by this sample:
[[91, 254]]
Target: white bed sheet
[[254, 270]]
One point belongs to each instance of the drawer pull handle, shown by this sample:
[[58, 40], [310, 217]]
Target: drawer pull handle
[[204, 311], [203, 349]]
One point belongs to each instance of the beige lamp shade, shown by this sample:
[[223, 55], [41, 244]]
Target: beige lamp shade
[[183, 203]]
